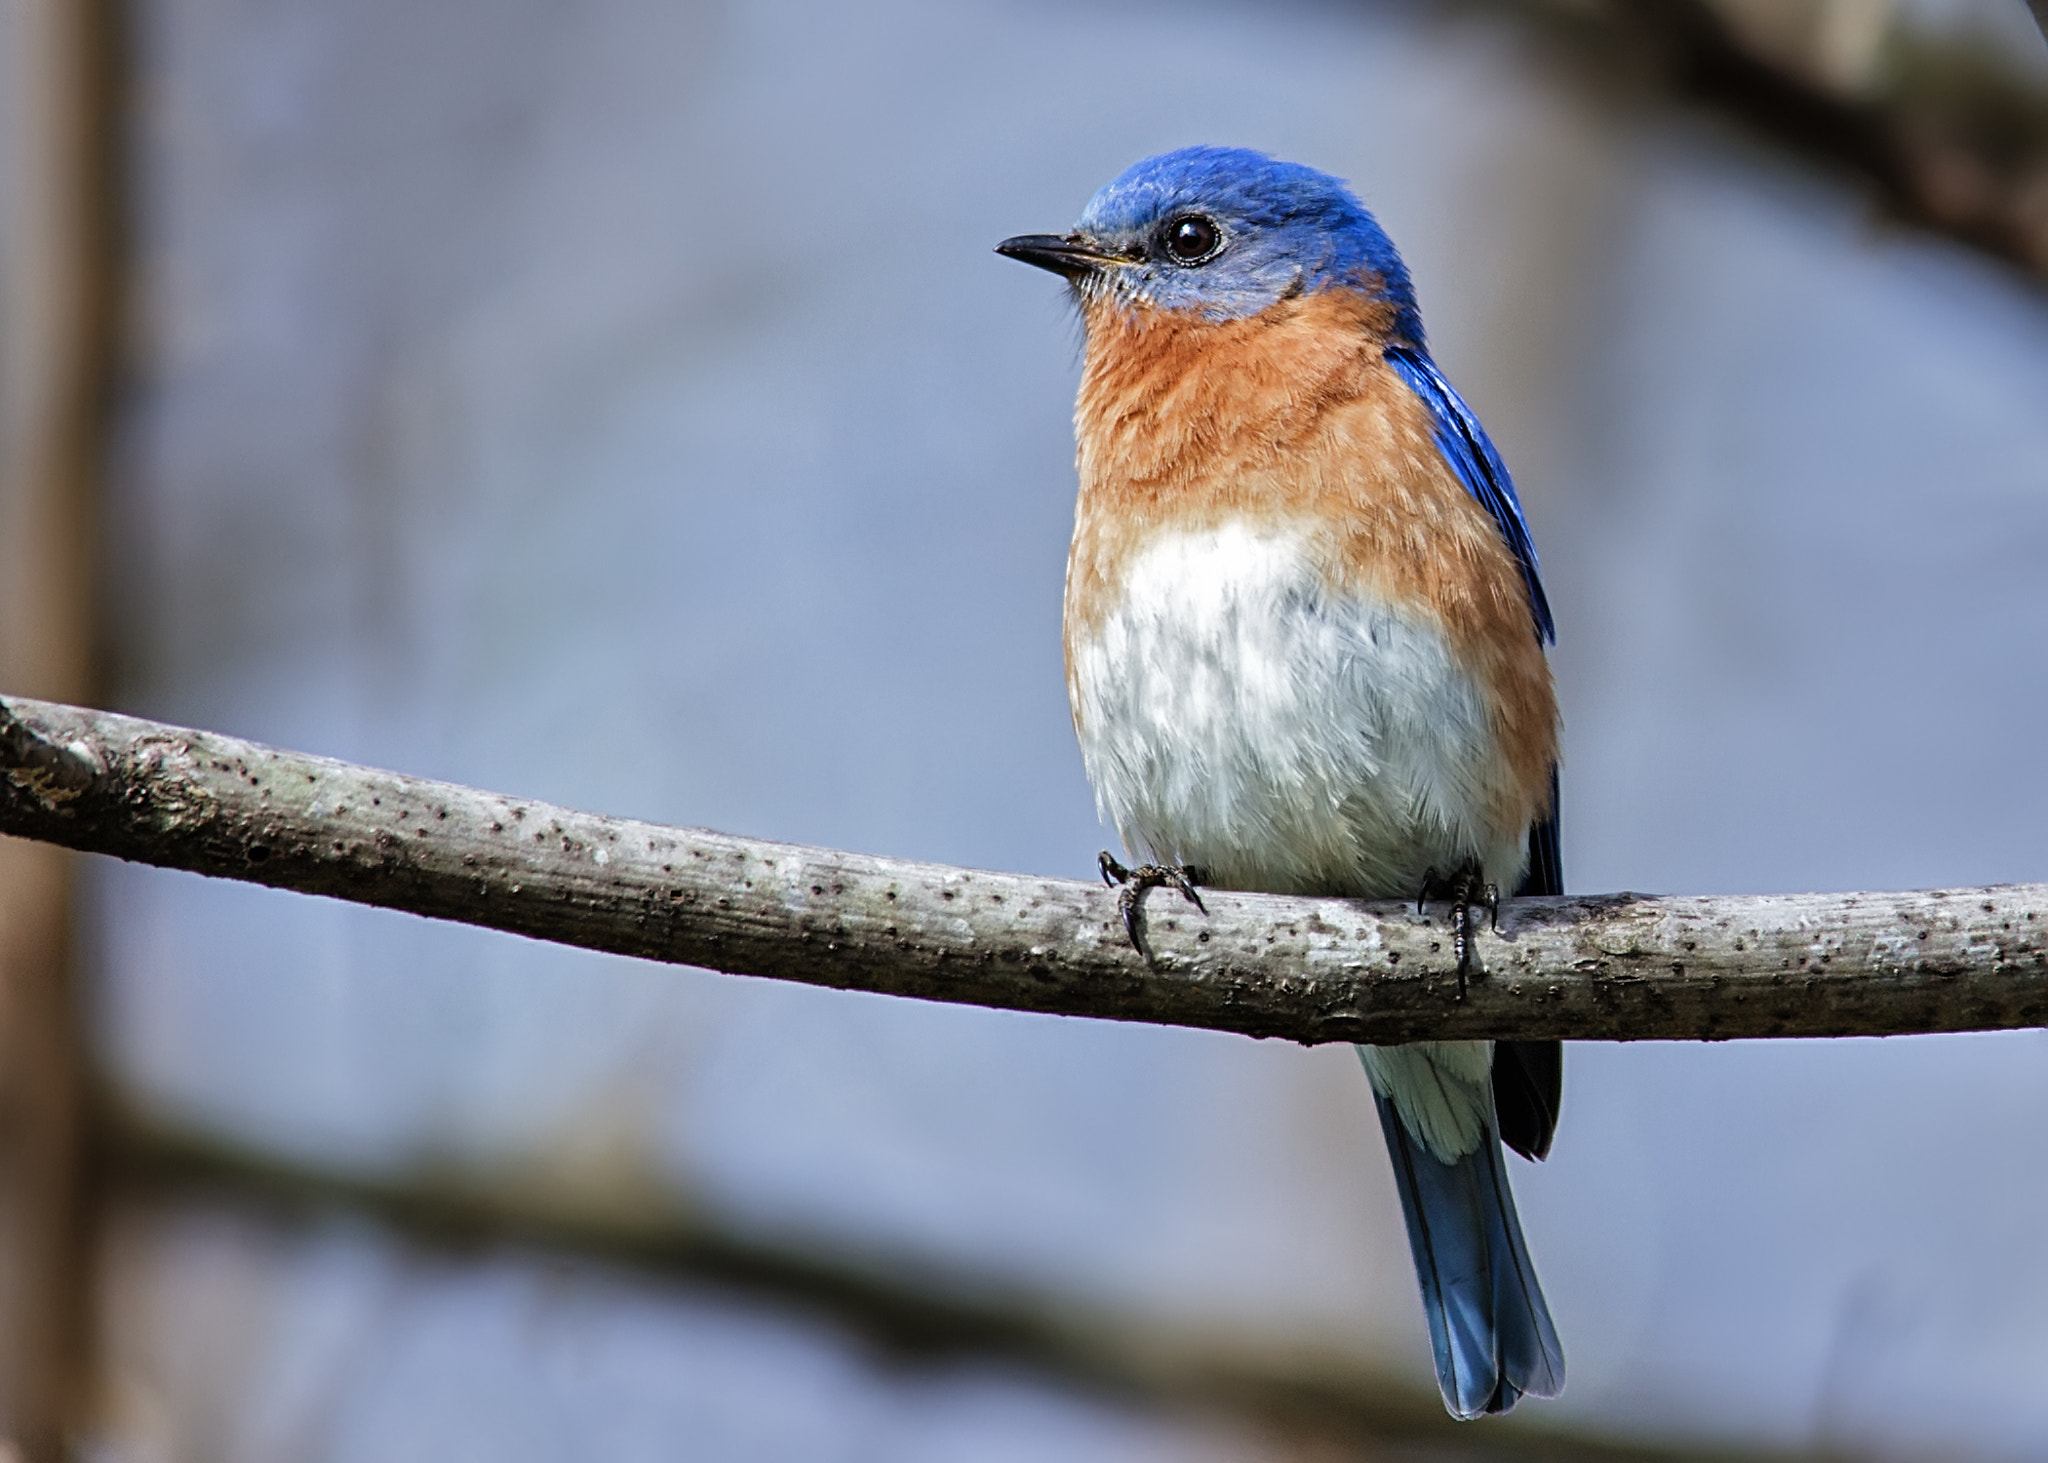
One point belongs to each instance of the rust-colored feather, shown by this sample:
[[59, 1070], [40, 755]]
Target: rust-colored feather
[[1293, 416]]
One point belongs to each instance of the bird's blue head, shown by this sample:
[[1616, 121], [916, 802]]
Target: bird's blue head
[[1224, 232]]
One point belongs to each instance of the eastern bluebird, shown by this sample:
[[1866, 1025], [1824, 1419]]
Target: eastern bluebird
[[1305, 649]]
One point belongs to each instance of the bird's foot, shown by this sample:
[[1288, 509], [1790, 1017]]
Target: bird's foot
[[1468, 889], [1131, 884]]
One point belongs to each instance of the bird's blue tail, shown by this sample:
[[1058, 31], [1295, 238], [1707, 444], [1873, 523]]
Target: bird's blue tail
[[1488, 1326]]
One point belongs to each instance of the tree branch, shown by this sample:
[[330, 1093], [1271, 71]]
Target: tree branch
[[1947, 130], [898, 1308], [1620, 966]]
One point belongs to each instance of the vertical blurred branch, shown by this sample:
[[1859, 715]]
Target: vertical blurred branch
[[58, 308]]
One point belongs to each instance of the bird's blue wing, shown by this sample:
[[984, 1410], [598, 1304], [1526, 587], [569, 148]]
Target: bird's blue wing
[[1527, 1076], [1471, 454]]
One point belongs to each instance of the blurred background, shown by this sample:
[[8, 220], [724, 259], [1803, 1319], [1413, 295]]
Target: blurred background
[[618, 403]]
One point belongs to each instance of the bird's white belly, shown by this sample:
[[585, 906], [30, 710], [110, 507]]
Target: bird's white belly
[[1238, 714]]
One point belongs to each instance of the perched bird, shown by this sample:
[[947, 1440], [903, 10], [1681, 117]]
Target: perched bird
[[1305, 649]]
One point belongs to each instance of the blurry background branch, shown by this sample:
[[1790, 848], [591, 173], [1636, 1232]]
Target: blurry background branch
[[1606, 967], [913, 1319], [1949, 129]]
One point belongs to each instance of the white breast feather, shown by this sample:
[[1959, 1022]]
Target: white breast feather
[[1237, 715]]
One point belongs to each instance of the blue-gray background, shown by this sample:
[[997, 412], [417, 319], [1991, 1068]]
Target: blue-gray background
[[618, 403]]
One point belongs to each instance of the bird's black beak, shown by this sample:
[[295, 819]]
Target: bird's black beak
[[1066, 254]]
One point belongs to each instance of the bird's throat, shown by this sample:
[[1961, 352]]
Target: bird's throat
[[1169, 395]]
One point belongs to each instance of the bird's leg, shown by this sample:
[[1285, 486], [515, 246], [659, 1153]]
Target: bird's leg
[[1131, 885], [1466, 888], [1461, 935]]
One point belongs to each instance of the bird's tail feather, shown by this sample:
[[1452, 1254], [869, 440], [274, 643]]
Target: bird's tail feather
[[1488, 1326]]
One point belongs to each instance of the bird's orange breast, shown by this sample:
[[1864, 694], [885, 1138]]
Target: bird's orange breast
[[1292, 418]]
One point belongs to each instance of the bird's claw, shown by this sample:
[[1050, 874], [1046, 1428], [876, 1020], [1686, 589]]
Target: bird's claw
[[1467, 889], [1131, 884]]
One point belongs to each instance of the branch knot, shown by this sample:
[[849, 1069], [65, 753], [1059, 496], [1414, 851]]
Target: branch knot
[[51, 774]]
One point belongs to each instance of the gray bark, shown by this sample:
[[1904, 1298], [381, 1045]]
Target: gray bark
[[1611, 967]]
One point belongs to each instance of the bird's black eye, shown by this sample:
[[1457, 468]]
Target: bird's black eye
[[1192, 239]]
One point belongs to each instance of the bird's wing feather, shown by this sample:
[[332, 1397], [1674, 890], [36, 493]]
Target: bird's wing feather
[[1546, 856], [1471, 454], [1528, 1076], [1528, 1087]]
